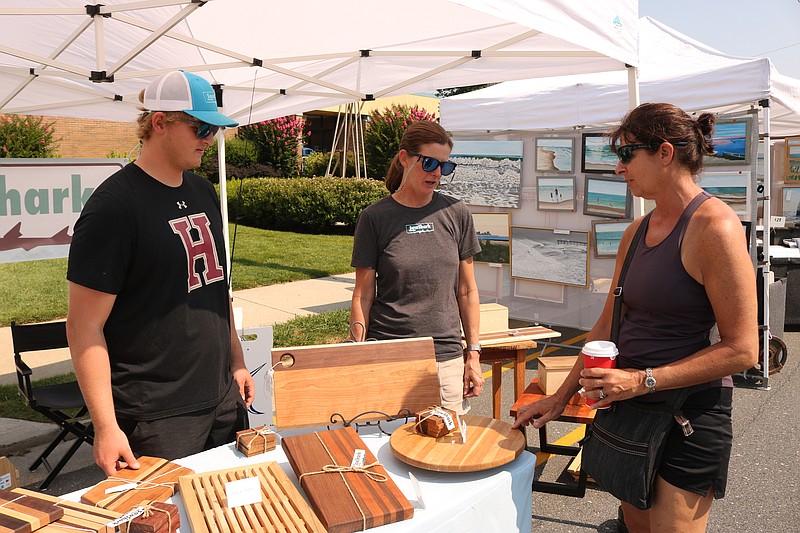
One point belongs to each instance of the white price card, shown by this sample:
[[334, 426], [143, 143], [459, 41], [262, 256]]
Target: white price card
[[243, 492], [417, 489], [358, 459]]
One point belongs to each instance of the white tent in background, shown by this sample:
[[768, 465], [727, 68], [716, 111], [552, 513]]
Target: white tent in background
[[672, 68]]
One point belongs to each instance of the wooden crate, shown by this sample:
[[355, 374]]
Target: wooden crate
[[344, 501], [494, 317], [156, 479], [23, 513], [391, 375], [553, 371], [282, 507], [77, 516]]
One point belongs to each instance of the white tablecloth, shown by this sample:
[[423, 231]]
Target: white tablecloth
[[496, 500]]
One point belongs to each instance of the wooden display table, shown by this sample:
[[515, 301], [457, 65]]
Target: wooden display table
[[500, 347], [576, 412]]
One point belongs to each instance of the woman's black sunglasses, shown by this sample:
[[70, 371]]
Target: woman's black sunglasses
[[625, 152], [201, 129], [429, 164]]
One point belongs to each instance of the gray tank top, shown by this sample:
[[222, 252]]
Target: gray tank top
[[669, 315]]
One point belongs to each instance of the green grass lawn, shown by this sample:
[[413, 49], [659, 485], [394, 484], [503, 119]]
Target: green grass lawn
[[36, 291]]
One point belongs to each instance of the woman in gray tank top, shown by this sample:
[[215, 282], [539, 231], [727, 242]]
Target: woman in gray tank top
[[690, 269]]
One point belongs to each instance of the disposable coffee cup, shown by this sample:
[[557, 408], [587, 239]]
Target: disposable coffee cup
[[599, 354]]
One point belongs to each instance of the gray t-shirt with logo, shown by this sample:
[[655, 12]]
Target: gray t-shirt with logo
[[416, 253]]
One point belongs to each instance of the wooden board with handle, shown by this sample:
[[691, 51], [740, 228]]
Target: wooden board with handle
[[353, 378], [510, 336], [77, 516], [156, 480], [490, 443], [24, 513], [282, 507]]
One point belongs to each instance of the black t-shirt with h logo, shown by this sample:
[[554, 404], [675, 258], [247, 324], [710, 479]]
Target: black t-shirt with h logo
[[161, 251]]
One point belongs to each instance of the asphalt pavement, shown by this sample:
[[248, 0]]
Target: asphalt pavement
[[764, 471]]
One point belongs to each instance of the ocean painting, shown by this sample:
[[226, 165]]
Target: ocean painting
[[554, 154], [489, 173], [607, 236], [731, 141], [730, 187], [606, 197], [492, 230], [555, 194], [550, 255], [790, 207], [597, 155], [792, 159]]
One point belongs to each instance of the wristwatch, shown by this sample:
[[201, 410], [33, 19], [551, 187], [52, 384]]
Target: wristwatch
[[474, 348], [649, 380]]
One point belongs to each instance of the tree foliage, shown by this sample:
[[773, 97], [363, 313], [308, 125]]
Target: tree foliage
[[383, 133], [27, 136]]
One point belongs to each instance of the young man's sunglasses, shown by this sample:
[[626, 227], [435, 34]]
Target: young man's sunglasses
[[625, 152], [429, 164], [201, 129]]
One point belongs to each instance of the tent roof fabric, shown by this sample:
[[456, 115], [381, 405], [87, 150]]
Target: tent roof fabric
[[673, 68], [280, 58]]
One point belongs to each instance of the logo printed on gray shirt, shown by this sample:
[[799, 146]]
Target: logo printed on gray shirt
[[420, 227]]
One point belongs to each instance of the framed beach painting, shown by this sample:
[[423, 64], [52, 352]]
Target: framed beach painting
[[731, 187], [550, 255], [606, 236], [489, 173], [554, 154], [731, 141], [596, 154], [493, 235], [555, 194], [606, 197], [790, 204], [792, 159]]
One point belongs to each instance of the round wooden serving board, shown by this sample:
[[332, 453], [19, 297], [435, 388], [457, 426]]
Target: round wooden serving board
[[490, 443]]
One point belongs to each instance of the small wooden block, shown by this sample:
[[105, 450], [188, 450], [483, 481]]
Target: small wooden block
[[429, 422], [156, 479], [22, 513], [161, 518], [256, 440], [344, 501]]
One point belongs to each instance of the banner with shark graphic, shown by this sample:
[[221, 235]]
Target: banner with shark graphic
[[40, 200]]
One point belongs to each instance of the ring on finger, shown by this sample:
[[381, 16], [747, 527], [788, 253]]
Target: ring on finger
[[602, 394]]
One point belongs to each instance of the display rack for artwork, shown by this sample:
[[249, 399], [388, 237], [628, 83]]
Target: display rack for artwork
[[607, 235], [550, 255], [493, 235], [556, 193], [555, 154], [489, 173], [606, 197]]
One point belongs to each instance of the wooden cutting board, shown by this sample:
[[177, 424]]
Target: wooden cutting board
[[156, 478], [24, 513], [490, 443], [77, 516], [491, 338], [282, 507], [354, 378]]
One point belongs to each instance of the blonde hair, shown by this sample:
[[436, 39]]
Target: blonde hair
[[144, 122]]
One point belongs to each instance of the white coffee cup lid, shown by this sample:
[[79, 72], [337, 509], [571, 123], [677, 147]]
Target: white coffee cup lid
[[600, 349]]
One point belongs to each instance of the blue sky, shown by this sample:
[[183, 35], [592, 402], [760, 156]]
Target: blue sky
[[747, 28]]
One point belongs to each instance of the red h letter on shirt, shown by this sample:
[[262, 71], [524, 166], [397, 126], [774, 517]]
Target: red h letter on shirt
[[204, 248]]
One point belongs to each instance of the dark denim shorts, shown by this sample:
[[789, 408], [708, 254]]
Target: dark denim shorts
[[700, 461]]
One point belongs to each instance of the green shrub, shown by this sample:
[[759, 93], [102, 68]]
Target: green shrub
[[383, 133], [313, 205], [241, 161], [27, 136], [277, 142]]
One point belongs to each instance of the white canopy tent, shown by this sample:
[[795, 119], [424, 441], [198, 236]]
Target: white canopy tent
[[672, 68], [271, 59]]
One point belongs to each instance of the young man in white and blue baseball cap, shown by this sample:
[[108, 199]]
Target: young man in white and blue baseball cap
[[150, 324]]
